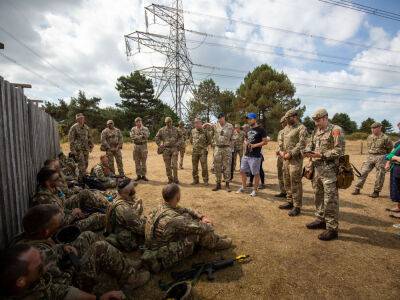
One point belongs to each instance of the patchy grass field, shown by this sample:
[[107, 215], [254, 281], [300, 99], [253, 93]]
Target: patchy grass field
[[288, 261]]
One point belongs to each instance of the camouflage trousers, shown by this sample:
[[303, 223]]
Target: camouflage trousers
[[222, 163], [235, 154], [82, 157], [200, 156], [377, 162], [292, 174], [140, 157], [279, 167], [170, 156], [111, 154], [326, 194], [181, 155]]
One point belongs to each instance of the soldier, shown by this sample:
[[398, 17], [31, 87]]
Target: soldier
[[73, 207], [238, 140], [200, 139], [256, 138], [102, 172], [169, 139], [111, 142], [379, 145], [68, 167], [325, 148], [279, 163], [124, 222], [222, 140], [80, 143], [140, 135], [182, 148], [101, 266], [172, 232], [291, 146]]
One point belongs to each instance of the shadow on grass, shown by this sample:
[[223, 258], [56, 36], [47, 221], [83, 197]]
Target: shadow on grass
[[370, 237]]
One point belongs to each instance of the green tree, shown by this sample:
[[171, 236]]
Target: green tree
[[343, 120], [226, 104], [309, 123], [204, 105], [366, 125], [270, 92], [387, 127]]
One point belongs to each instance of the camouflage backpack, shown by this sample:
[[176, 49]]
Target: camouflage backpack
[[345, 174]]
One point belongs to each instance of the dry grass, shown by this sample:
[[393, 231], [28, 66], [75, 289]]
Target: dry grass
[[288, 261]]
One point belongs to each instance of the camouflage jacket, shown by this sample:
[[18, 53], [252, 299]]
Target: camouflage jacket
[[101, 172], [139, 136], [111, 139], [166, 224], [169, 137], [280, 138], [69, 168], [238, 140], [329, 143], [200, 139], [222, 135], [45, 196], [379, 145], [293, 140], [80, 138]]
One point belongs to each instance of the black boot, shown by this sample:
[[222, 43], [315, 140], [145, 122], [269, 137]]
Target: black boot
[[294, 212], [317, 224], [217, 187], [138, 178], [375, 194], [287, 205], [328, 235], [281, 195], [228, 189], [144, 178]]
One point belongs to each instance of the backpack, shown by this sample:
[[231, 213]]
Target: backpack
[[345, 174]]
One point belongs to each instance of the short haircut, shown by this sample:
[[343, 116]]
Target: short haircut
[[170, 191], [38, 218], [48, 162], [103, 156], [44, 174], [11, 268]]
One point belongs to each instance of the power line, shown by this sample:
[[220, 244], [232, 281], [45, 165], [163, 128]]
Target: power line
[[364, 8], [329, 97]]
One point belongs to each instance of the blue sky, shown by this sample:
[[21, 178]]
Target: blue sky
[[84, 39]]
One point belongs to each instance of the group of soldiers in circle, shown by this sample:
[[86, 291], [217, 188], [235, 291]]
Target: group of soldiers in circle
[[40, 264]]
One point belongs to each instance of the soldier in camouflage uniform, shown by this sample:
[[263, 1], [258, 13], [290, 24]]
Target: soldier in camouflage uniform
[[222, 140], [111, 142], [200, 139], [379, 144], [325, 147], [125, 222], [68, 167], [172, 232], [238, 140], [102, 267], [80, 143], [182, 148], [279, 162], [169, 139], [73, 207], [291, 146], [102, 172], [140, 135]]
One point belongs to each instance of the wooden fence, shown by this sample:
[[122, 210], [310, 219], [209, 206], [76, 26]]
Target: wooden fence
[[28, 136]]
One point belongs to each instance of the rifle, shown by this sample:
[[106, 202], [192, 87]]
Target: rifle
[[209, 268]]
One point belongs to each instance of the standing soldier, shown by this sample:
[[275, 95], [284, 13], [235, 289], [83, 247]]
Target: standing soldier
[[140, 135], [80, 143], [279, 162], [222, 132], [200, 139], [379, 145], [325, 148], [291, 146], [111, 142], [238, 140], [182, 147], [168, 139]]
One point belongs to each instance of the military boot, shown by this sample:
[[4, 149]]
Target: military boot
[[328, 235], [223, 243], [375, 194], [206, 183], [294, 212], [217, 187], [138, 178], [287, 205], [145, 178], [356, 192], [228, 189], [280, 195], [316, 224], [195, 182]]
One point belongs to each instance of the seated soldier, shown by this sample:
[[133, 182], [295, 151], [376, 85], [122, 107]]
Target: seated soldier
[[68, 187], [172, 232], [103, 173], [74, 206], [69, 166], [124, 221]]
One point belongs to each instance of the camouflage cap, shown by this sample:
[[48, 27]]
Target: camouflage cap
[[110, 122], [319, 113], [376, 124], [181, 123], [291, 112], [168, 120], [80, 115], [138, 119], [283, 119]]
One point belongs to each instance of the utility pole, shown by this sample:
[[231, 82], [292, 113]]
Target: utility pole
[[176, 74]]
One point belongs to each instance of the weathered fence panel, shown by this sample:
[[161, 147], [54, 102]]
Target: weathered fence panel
[[28, 136]]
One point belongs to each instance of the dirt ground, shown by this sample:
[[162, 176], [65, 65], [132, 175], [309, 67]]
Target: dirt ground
[[288, 261]]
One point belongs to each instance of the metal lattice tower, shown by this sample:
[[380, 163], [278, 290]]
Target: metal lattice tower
[[176, 74]]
